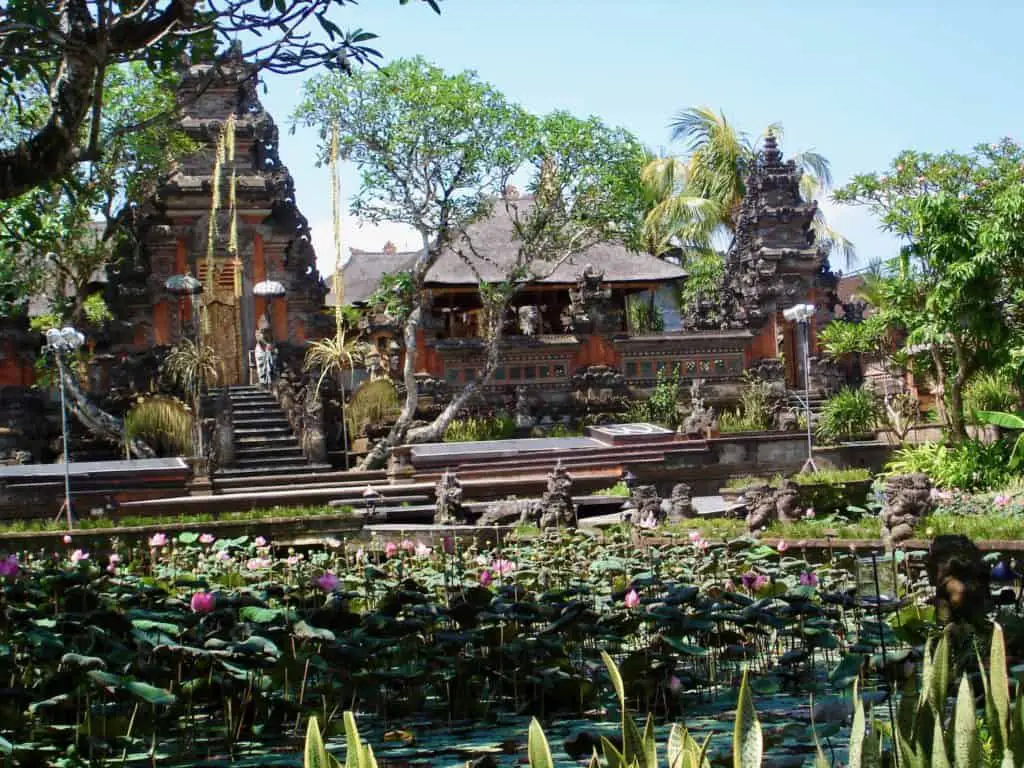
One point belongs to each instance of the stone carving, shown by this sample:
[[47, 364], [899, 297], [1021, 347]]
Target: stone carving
[[647, 504], [448, 509], [906, 499], [826, 377], [787, 502], [224, 432], [700, 421], [760, 502], [590, 304], [598, 385], [374, 369], [556, 508], [314, 440], [529, 320], [394, 359], [524, 415], [679, 505], [960, 577], [508, 512]]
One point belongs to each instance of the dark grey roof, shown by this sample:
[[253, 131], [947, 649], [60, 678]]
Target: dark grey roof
[[364, 269], [490, 246]]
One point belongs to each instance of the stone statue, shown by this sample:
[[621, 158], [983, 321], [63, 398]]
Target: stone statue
[[590, 303], [265, 355], [314, 440], [787, 502], [529, 320], [760, 503], [524, 417], [394, 359], [906, 499], [679, 505], [556, 508], [701, 419], [960, 577], [374, 369], [647, 503], [449, 509]]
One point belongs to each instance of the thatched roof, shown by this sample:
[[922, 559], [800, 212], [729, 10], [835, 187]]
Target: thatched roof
[[491, 248]]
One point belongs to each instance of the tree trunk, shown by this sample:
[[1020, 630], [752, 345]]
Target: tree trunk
[[957, 428]]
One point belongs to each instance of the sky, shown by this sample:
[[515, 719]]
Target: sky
[[858, 82]]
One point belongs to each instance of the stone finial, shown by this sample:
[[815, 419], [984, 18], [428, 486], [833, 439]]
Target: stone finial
[[771, 152], [389, 248]]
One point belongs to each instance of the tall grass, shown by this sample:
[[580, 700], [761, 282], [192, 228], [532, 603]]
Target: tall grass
[[499, 427], [163, 423]]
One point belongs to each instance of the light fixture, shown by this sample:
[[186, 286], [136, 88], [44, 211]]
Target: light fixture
[[800, 315], [370, 498], [61, 342], [629, 479]]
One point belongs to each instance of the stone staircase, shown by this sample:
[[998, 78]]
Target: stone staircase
[[795, 400], [264, 441]]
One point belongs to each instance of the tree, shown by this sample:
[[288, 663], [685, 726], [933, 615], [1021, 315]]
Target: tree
[[955, 287], [436, 151], [59, 235], [64, 50], [698, 197]]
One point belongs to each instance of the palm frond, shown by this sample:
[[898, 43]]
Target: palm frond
[[817, 166], [835, 242], [334, 355], [192, 366]]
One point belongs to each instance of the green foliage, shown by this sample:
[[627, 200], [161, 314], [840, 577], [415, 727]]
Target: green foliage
[[96, 310], [501, 426], [971, 465], [192, 367], [619, 489], [848, 413], [1007, 421], [644, 316], [993, 391], [335, 355], [163, 423], [374, 402], [662, 405], [756, 409], [872, 336]]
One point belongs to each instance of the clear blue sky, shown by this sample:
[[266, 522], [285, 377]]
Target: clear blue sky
[[856, 81]]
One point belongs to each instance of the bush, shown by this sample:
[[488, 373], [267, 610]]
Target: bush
[[972, 465], [989, 392], [848, 413], [163, 423], [756, 410], [662, 405], [499, 427]]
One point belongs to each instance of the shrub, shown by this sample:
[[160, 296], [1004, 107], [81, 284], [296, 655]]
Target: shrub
[[972, 465], [662, 405], [374, 402], [846, 414], [989, 392], [756, 410], [163, 423], [471, 430]]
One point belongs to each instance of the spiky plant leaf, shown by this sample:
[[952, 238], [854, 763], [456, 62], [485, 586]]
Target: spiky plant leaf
[[748, 745], [966, 746], [314, 752], [939, 757], [857, 730], [537, 748], [353, 744], [999, 686]]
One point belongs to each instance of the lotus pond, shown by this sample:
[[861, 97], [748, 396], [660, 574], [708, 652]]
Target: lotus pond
[[203, 651]]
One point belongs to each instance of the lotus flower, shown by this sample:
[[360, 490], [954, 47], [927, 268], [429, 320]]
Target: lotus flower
[[486, 577], [328, 582], [674, 684], [753, 581], [729, 585], [112, 562], [258, 563], [203, 602], [360, 555], [782, 546], [9, 567], [632, 599], [207, 538], [259, 541], [448, 545], [503, 567], [158, 540], [223, 555], [67, 538], [808, 579], [79, 555], [293, 560], [694, 536], [332, 542], [390, 549], [809, 514], [422, 550], [408, 546]]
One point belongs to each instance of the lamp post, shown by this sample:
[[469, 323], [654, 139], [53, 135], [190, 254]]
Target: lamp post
[[187, 286], [800, 315], [61, 342]]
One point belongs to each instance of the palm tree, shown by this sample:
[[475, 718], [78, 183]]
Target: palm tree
[[193, 367], [719, 158]]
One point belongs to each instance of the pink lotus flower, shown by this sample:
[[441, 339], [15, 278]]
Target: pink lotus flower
[[808, 579], [503, 567], [112, 562], [486, 577], [207, 538], [632, 599], [9, 567], [390, 549], [223, 555], [67, 538], [729, 585], [332, 542], [422, 550], [754, 582], [328, 582], [448, 545], [1001, 500], [203, 602], [158, 540], [674, 684], [408, 546], [259, 541], [294, 560], [782, 546], [258, 563], [78, 556], [809, 514], [694, 536]]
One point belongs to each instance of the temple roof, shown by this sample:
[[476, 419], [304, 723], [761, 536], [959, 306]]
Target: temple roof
[[490, 248]]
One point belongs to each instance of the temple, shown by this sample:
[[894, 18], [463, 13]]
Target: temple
[[609, 311], [273, 244]]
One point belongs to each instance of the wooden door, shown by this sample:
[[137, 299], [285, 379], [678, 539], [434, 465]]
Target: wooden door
[[222, 326]]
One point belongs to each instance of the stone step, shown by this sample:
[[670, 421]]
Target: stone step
[[264, 422], [265, 441], [262, 431], [271, 465], [270, 451], [260, 470], [267, 402]]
